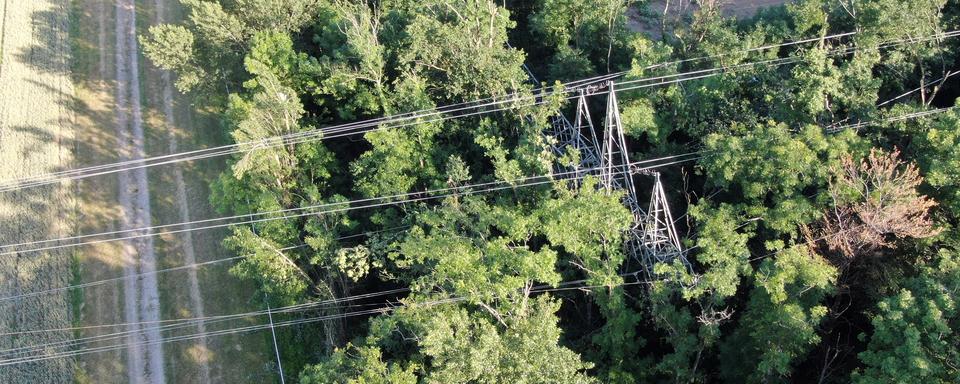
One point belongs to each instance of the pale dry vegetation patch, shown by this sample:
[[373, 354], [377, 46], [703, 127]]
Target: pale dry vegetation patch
[[36, 136], [875, 201]]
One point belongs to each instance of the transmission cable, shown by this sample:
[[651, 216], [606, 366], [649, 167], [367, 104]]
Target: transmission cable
[[914, 115], [344, 129], [711, 72], [858, 125], [172, 269], [632, 171], [316, 209], [537, 289], [302, 307], [350, 129], [172, 324]]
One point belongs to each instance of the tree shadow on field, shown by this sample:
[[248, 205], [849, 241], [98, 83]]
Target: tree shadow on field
[[27, 216], [50, 52], [33, 133], [99, 112], [30, 215], [80, 120]]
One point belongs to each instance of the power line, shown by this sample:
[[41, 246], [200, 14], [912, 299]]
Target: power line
[[285, 309], [679, 161], [406, 119], [380, 201], [3, 300], [172, 269], [908, 116], [635, 170], [333, 207], [302, 308], [580, 171], [709, 72], [186, 323], [341, 130], [538, 289], [276, 348], [181, 323], [941, 80]]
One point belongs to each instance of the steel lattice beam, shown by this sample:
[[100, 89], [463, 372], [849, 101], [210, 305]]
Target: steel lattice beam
[[653, 238]]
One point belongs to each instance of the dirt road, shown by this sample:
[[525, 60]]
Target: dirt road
[[141, 295], [126, 105], [183, 205]]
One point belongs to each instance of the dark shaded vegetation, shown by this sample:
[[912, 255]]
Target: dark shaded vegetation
[[823, 249]]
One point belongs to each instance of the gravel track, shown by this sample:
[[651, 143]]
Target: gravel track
[[141, 295], [189, 252]]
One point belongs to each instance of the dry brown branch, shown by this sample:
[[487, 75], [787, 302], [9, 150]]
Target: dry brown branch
[[713, 317], [874, 200]]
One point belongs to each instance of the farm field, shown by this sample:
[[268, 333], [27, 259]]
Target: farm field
[[37, 135]]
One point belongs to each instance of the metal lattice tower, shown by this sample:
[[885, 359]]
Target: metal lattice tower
[[615, 172], [660, 241], [568, 136], [580, 137], [584, 137], [653, 238]]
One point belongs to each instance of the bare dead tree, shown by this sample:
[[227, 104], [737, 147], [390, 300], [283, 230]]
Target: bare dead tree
[[873, 200]]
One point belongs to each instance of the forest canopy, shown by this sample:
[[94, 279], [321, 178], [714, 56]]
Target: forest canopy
[[814, 180]]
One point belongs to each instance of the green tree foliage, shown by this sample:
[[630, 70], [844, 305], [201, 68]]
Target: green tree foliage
[[171, 47], [581, 31], [588, 226], [938, 149], [886, 20], [273, 58], [208, 50], [460, 346], [279, 276], [470, 350], [770, 167], [273, 111], [472, 250], [462, 45], [780, 322], [483, 279], [401, 158], [914, 335], [357, 365], [475, 249], [722, 252]]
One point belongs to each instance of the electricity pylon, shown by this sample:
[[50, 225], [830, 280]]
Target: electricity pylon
[[653, 237]]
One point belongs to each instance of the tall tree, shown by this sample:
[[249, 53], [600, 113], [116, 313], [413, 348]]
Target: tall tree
[[915, 335], [780, 322]]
